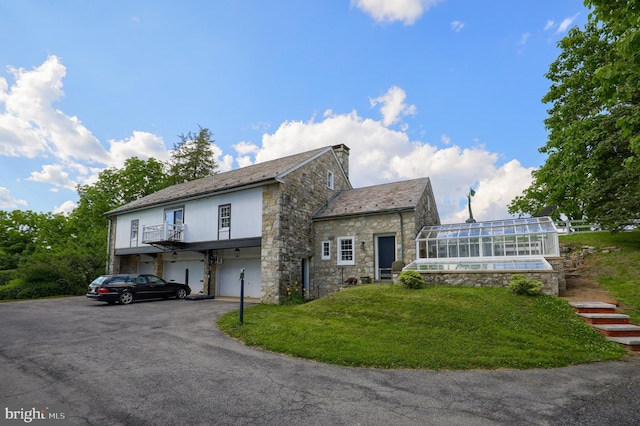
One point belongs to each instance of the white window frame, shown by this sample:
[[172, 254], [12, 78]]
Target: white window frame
[[326, 250], [222, 218], [330, 179], [135, 231], [343, 254]]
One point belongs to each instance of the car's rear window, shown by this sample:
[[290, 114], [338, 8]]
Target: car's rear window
[[100, 280], [124, 279]]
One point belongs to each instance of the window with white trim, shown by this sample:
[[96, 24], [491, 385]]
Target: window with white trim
[[329, 179], [346, 251], [135, 226], [326, 250], [224, 216]]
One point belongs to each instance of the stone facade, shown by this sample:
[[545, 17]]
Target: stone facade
[[404, 225], [287, 230], [548, 278]]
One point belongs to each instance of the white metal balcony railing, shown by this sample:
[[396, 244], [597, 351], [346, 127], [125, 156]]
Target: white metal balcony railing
[[164, 232]]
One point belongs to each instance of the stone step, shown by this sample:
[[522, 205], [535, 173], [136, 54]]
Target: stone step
[[593, 307], [632, 343], [618, 330], [605, 318]]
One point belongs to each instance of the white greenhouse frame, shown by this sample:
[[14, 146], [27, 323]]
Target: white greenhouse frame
[[511, 244]]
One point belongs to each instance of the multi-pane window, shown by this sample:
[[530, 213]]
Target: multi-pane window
[[134, 229], [326, 250], [135, 225], [346, 251], [224, 216]]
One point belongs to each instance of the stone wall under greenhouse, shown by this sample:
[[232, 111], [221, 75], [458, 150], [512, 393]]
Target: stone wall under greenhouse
[[549, 278]]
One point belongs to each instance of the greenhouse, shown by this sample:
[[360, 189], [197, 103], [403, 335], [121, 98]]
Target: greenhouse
[[512, 244]]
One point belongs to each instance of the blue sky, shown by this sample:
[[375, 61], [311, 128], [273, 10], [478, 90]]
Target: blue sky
[[447, 89]]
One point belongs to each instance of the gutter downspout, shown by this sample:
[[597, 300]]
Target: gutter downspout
[[108, 265]]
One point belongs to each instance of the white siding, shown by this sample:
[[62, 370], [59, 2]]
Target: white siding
[[200, 218]]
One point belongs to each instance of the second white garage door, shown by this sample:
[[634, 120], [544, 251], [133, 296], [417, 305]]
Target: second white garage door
[[228, 280]]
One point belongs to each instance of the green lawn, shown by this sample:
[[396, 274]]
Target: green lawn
[[617, 271], [387, 326]]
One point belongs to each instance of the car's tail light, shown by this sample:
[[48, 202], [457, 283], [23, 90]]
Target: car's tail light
[[103, 290]]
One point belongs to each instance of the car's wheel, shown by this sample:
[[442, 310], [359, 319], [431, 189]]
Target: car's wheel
[[181, 293], [126, 297]]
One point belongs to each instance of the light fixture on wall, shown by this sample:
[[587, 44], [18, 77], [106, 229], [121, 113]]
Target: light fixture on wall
[[174, 256], [362, 245], [237, 252]]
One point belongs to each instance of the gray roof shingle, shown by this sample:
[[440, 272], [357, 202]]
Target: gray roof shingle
[[371, 199], [244, 176]]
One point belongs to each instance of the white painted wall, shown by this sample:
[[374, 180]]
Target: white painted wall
[[200, 218]]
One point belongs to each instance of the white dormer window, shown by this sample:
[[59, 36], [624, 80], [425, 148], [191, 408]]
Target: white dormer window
[[330, 179]]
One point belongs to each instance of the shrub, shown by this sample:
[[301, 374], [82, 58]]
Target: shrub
[[411, 279], [520, 284], [293, 295]]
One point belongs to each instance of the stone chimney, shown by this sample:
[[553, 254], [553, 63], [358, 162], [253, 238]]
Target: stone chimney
[[342, 152]]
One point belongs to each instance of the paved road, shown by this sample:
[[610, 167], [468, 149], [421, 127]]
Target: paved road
[[165, 363]]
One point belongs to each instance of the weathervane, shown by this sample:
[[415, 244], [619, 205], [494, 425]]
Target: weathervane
[[469, 195]]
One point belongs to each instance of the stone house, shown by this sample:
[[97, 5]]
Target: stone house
[[293, 221]]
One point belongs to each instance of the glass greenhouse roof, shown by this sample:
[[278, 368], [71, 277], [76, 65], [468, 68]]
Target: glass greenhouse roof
[[510, 238], [522, 226]]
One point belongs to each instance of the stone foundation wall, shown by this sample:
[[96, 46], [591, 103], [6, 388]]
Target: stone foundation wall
[[549, 279]]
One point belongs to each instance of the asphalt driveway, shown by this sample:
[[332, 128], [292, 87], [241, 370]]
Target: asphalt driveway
[[166, 363]]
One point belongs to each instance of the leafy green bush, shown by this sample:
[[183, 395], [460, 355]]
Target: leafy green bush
[[293, 295], [411, 279], [520, 284], [6, 276]]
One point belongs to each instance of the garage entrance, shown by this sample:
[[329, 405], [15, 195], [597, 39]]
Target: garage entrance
[[228, 274], [187, 268]]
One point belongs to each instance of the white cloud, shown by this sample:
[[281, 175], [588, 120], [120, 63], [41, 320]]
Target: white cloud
[[445, 139], [8, 201], [142, 145], [65, 208], [457, 26], [524, 38], [379, 154], [550, 24], [566, 23], [393, 106], [53, 174], [30, 126], [406, 11]]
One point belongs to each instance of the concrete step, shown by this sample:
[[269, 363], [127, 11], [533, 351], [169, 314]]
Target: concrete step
[[618, 330], [605, 318], [593, 307], [632, 343]]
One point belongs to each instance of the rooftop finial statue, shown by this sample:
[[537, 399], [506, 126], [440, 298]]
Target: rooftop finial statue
[[469, 195]]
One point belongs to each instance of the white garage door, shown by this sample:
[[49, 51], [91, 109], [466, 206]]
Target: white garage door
[[229, 278], [177, 271]]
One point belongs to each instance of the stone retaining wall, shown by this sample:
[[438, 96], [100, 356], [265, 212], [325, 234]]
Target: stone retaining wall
[[549, 279]]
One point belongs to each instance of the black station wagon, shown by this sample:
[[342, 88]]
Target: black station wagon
[[125, 288]]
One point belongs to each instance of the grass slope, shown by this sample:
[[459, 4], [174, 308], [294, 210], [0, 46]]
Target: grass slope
[[617, 271], [387, 326]]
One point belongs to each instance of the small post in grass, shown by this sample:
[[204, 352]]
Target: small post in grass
[[242, 296]]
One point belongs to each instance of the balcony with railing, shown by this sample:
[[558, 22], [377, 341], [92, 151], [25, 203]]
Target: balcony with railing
[[166, 233]]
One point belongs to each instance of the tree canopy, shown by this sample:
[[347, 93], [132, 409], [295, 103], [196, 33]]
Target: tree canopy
[[192, 157], [591, 171]]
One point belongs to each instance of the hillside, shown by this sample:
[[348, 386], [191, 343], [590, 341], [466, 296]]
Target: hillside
[[612, 262]]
